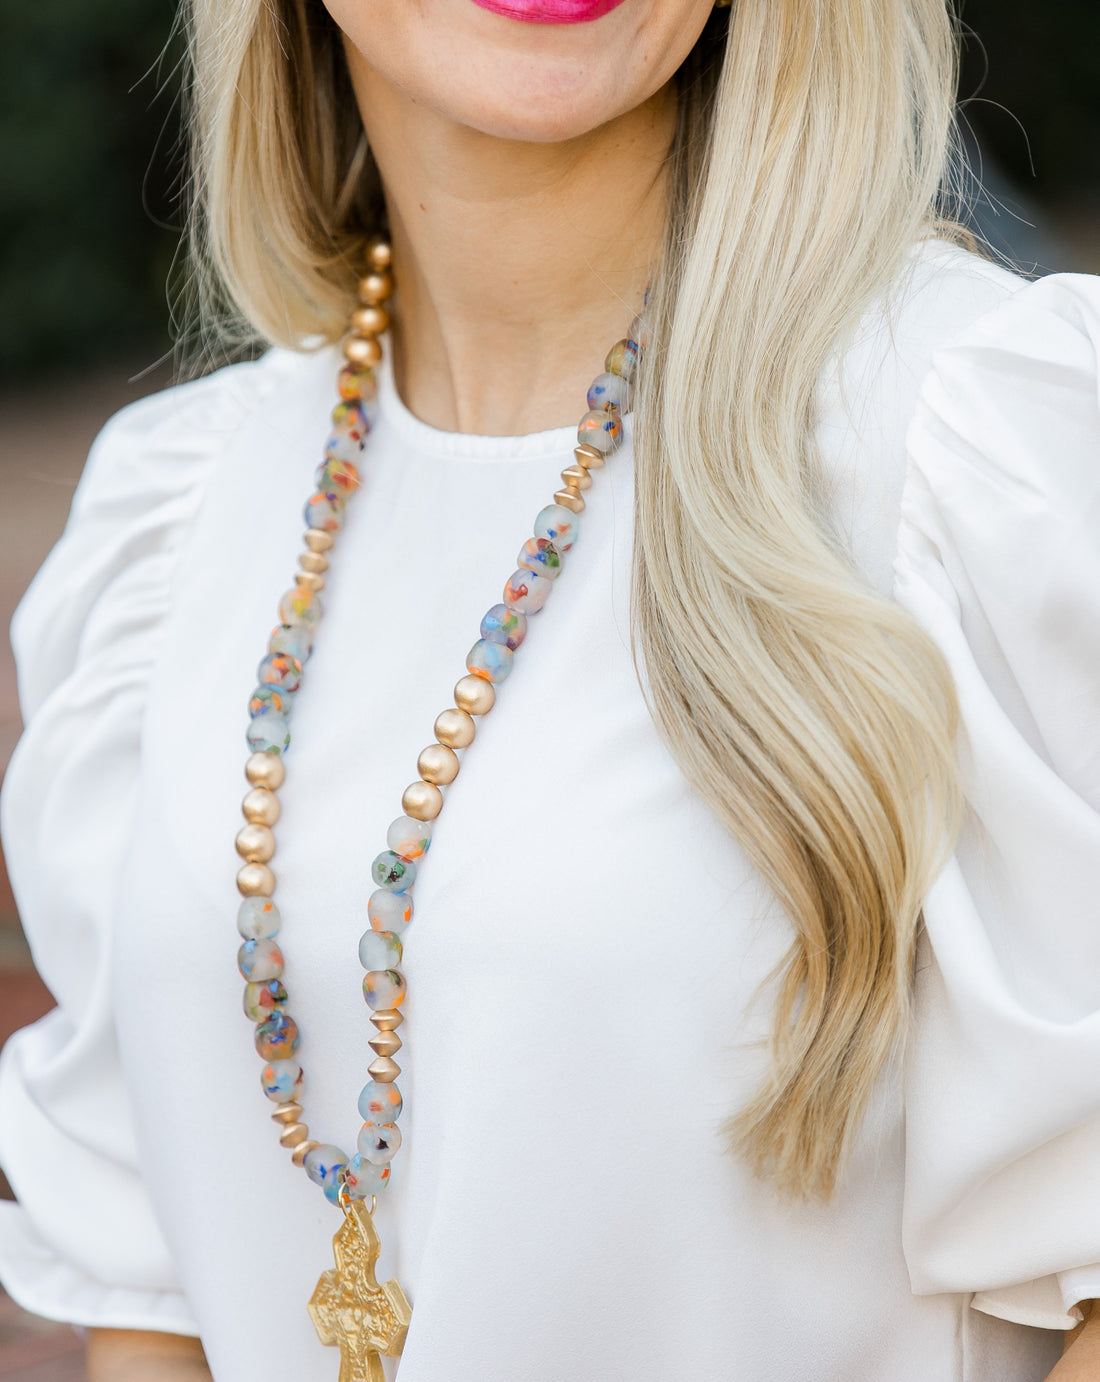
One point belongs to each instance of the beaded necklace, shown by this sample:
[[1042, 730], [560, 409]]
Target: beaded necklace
[[349, 1308]]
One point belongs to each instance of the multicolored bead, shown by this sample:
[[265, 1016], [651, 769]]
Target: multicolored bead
[[527, 592], [380, 1103], [393, 873], [294, 639], [388, 911], [300, 606], [504, 625], [282, 1080], [356, 382], [337, 478], [277, 1038], [622, 359], [492, 661], [558, 525], [258, 918], [325, 512], [362, 1179], [323, 1164], [540, 556], [269, 733], [411, 839], [260, 959], [384, 988], [609, 391], [267, 698], [261, 1000], [603, 430], [280, 669], [377, 1142], [379, 950], [349, 432]]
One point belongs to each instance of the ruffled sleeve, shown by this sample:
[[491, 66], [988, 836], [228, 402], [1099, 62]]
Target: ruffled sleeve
[[82, 1244], [999, 558]]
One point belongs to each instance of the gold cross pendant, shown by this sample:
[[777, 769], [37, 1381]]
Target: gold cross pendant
[[351, 1310]]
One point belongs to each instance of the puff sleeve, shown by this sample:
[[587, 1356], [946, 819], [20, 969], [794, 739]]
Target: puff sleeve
[[999, 558], [82, 1244]]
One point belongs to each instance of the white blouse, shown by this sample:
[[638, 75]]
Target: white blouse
[[586, 962]]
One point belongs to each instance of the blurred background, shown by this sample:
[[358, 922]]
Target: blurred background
[[91, 174]]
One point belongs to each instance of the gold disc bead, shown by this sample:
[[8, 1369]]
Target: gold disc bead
[[313, 581], [569, 499], [384, 1070], [379, 253], [474, 695], [255, 843], [438, 764], [317, 540], [256, 880], [316, 562], [387, 1019], [302, 1150], [261, 807], [371, 320], [294, 1134], [385, 1044], [455, 728], [577, 477], [265, 770], [423, 801], [375, 287], [287, 1114], [589, 457]]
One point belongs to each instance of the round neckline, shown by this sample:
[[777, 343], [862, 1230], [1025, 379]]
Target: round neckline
[[463, 445]]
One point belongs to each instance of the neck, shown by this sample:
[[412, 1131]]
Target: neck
[[517, 264]]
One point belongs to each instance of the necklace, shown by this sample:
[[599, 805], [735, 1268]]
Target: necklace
[[349, 1308]]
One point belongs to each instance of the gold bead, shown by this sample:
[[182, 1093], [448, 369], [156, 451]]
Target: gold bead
[[370, 321], [422, 801], [437, 763], [379, 253], [261, 806], [387, 1019], [293, 1135], [384, 1070], [475, 695], [265, 770], [303, 1149], [375, 287], [455, 728], [318, 541], [359, 351], [310, 580], [287, 1113], [588, 456], [256, 880], [255, 843], [313, 561], [577, 477], [385, 1044], [569, 499]]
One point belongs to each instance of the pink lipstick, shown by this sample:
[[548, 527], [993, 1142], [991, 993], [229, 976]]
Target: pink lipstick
[[550, 11]]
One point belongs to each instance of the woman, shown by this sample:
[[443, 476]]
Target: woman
[[667, 1112]]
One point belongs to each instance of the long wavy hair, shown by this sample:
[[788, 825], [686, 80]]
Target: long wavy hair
[[815, 717]]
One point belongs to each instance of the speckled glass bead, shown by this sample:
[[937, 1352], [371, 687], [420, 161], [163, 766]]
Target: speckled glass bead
[[277, 1038], [527, 592], [261, 1000], [323, 1164], [339, 478], [602, 430], [388, 911], [558, 525], [269, 733], [377, 1142], [280, 669], [622, 359], [363, 1179], [258, 918], [384, 988], [324, 512], [267, 698], [282, 1080], [393, 873], [380, 1103], [493, 661], [294, 639], [356, 382], [379, 950], [349, 432], [504, 625], [609, 391], [300, 606], [260, 959], [541, 557], [411, 839]]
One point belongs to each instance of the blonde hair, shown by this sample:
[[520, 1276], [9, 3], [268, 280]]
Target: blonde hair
[[815, 717]]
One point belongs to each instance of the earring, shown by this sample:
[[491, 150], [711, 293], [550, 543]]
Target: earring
[[722, 4]]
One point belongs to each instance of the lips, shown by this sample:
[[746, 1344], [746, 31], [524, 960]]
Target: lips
[[550, 11]]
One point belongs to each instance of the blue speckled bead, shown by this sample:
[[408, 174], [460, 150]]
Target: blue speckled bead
[[260, 959], [268, 733], [527, 592], [541, 557], [277, 1038], [364, 1180], [379, 950], [282, 1080], [622, 359], [491, 661], [393, 873], [384, 988], [280, 669], [388, 911], [267, 698], [324, 512], [294, 639], [409, 838], [380, 1103], [324, 1163], [378, 1142], [558, 525], [258, 917], [609, 391], [261, 1000], [604, 430], [300, 607], [504, 625]]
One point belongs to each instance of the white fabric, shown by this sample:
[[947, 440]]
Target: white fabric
[[588, 942]]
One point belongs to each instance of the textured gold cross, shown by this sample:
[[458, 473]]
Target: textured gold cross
[[351, 1310]]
